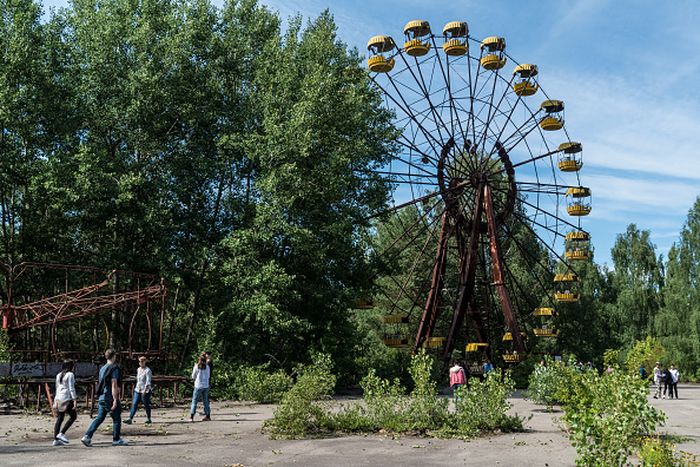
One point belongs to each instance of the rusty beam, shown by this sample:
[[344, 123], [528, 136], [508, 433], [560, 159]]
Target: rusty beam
[[497, 267]]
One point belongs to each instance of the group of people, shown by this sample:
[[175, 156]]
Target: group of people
[[108, 387], [666, 378], [460, 374]]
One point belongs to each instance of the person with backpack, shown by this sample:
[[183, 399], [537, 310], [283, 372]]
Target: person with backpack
[[142, 392], [65, 401], [108, 403], [200, 374], [458, 378]]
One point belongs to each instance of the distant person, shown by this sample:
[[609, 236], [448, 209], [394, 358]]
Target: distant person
[[668, 383], [487, 367], [658, 379], [65, 402], [675, 376], [200, 374], [108, 402], [642, 372], [458, 377], [142, 392]]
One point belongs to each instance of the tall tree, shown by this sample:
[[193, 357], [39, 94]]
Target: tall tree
[[637, 282], [678, 323]]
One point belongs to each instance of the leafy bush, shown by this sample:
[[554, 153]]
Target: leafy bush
[[299, 414], [550, 382], [483, 407], [606, 416], [258, 384], [644, 352], [388, 407], [655, 452]]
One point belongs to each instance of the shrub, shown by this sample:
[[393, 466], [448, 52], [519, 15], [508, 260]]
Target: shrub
[[483, 407], [550, 382], [258, 384], [655, 452], [606, 416], [644, 352], [299, 414]]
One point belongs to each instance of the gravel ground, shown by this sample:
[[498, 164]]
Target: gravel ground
[[234, 437]]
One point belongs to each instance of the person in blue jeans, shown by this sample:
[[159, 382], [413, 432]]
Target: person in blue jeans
[[142, 392], [108, 402], [200, 374]]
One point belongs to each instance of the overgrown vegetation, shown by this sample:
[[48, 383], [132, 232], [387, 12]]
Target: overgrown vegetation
[[608, 417], [387, 406]]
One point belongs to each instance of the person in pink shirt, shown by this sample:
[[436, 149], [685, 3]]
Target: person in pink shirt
[[457, 377]]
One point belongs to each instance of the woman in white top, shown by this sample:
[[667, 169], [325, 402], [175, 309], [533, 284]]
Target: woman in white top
[[200, 375], [64, 402], [142, 392]]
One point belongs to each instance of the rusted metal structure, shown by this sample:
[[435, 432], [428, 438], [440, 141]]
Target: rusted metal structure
[[39, 299]]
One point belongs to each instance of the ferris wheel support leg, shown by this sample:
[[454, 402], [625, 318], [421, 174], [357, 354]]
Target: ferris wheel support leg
[[497, 265], [432, 304], [467, 271]]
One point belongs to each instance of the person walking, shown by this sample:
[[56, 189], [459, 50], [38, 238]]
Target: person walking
[[142, 392], [487, 367], [200, 374], [675, 376], [458, 378], [65, 402], [668, 383], [658, 373], [108, 402]]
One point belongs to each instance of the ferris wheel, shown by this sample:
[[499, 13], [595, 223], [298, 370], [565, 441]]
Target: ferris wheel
[[484, 155]]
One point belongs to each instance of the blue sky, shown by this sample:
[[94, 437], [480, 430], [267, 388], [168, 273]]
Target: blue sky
[[625, 69]]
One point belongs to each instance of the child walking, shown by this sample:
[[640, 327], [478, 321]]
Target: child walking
[[65, 402]]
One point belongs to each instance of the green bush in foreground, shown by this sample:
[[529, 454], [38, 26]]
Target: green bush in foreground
[[386, 406], [299, 414], [549, 382], [607, 416], [258, 384]]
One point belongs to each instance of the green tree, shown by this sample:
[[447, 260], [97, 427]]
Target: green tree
[[637, 283], [678, 323]]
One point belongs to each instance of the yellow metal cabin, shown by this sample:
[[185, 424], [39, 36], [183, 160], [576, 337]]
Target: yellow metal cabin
[[554, 118], [379, 47], [570, 157], [492, 53], [525, 84], [455, 33], [417, 38]]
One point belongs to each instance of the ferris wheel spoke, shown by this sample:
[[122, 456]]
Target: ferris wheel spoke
[[414, 225], [454, 116], [484, 134], [403, 105], [421, 84], [405, 142]]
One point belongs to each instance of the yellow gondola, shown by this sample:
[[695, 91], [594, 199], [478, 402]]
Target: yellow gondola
[[566, 297], [434, 343], [379, 47], [526, 85], [455, 33], [396, 342], [396, 319], [494, 48], [570, 157], [566, 277], [579, 203], [417, 43], [554, 120], [476, 346], [513, 357]]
